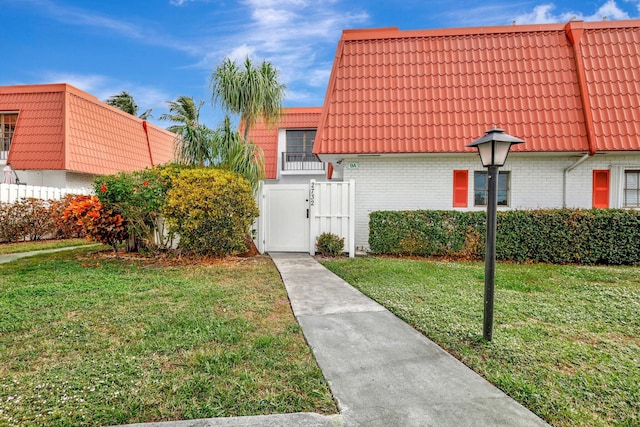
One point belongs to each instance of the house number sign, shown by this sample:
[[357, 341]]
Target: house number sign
[[312, 194], [353, 165]]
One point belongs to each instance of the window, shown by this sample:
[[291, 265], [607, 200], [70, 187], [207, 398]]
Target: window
[[7, 128], [299, 152], [300, 145], [481, 189], [600, 188], [632, 189], [460, 188]]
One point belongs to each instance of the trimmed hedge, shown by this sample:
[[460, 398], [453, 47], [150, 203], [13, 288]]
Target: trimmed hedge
[[559, 236], [35, 219]]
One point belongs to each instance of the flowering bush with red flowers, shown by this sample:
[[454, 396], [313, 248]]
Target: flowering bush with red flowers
[[139, 197], [100, 224]]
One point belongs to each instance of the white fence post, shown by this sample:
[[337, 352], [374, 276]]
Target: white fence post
[[313, 202]]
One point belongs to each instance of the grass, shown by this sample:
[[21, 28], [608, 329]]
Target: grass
[[566, 339], [88, 338], [12, 248]]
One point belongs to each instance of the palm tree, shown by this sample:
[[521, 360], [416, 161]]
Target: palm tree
[[184, 112], [249, 91], [124, 101], [231, 152], [194, 146]]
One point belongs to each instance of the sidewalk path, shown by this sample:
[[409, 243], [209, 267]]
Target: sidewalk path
[[12, 257], [381, 371]]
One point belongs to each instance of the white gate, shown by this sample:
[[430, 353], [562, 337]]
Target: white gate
[[292, 216], [286, 218]]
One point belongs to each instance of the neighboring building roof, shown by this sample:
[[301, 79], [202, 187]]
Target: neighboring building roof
[[60, 127], [561, 88], [267, 136]]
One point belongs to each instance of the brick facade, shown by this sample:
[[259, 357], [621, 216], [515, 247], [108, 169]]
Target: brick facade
[[536, 182]]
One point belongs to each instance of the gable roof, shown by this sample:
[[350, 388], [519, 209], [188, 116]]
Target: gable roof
[[267, 136], [561, 88], [60, 127]]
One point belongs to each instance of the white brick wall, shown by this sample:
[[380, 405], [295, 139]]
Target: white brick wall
[[409, 183], [79, 180], [56, 178]]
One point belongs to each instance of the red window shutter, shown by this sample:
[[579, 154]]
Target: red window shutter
[[460, 188], [600, 188]]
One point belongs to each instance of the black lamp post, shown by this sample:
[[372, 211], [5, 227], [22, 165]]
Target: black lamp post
[[493, 148]]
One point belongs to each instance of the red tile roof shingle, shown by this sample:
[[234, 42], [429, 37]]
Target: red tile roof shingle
[[60, 127], [434, 91]]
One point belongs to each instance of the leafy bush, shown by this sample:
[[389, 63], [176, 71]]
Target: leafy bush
[[64, 228], [11, 222], [27, 219], [427, 233], [329, 244], [139, 197], [596, 236], [37, 221], [211, 210], [100, 224]]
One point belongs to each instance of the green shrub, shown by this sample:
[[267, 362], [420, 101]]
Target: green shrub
[[211, 210], [426, 233], [596, 236], [329, 244]]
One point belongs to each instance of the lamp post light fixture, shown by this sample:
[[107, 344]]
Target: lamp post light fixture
[[493, 148]]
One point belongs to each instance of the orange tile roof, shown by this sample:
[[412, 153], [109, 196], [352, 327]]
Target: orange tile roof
[[60, 127], [434, 91], [267, 136]]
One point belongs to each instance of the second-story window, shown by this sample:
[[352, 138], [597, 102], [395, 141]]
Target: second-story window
[[300, 145], [299, 152]]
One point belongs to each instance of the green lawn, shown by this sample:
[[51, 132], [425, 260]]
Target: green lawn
[[93, 339], [37, 245], [566, 339]]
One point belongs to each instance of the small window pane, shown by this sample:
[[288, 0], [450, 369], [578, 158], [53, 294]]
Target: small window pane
[[502, 182], [631, 198], [502, 198], [480, 198], [480, 181], [632, 180]]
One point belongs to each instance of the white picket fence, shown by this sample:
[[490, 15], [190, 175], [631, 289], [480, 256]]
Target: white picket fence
[[11, 193]]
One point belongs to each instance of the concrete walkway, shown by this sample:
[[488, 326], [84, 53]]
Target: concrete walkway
[[381, 371]]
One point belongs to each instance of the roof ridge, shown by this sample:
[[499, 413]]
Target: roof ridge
[[395, 32]]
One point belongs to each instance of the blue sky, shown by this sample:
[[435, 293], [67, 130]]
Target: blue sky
[[158, 50]]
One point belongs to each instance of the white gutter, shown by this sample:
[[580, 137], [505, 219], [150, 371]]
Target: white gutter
[[564, 177]]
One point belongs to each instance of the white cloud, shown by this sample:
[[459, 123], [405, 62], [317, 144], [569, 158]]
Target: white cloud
[[241, 52], [102, 87], [544, 13], [291, 34], [90, 83]]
